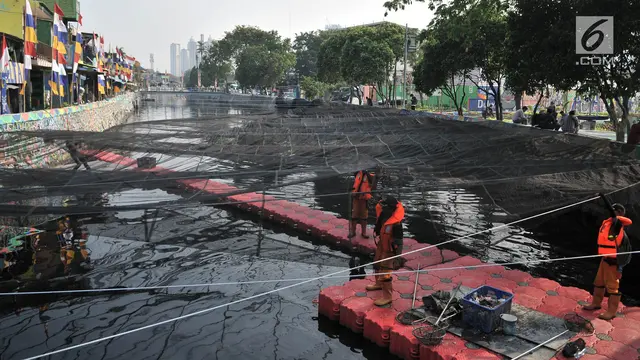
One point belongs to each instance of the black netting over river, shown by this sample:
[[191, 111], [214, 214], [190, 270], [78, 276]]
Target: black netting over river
[[140, 228]]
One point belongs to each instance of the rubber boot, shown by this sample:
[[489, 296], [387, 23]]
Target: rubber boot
[[598, 295], [352, 228], [612, 309], [375, 286], [363, 226], [387, 292]]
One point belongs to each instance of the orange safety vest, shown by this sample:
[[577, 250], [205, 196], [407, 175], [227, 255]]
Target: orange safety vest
[[361, 185], [608, 246], [386, 232]]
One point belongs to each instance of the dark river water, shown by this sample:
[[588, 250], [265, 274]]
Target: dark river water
[[206, 245]]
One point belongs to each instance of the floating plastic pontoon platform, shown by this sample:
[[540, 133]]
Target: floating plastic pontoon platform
[[353, 307]]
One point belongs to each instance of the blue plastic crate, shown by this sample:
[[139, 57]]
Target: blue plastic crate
[[482, 317]]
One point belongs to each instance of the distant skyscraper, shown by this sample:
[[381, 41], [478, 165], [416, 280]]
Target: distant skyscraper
[[193, 48], [199, 55], [184, 60], [175, 59]]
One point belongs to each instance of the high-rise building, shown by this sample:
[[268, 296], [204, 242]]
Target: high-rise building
[[193, 47], [175, 59], [184, 60]]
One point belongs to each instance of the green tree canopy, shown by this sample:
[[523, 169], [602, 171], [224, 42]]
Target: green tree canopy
[[258, 66], [365, 61], [215, 65], [361, 54], [446, 62], [261, 58], [313, 88], [243, 37], [307, 46]]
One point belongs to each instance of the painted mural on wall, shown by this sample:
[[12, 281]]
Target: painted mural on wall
[[32, 152]]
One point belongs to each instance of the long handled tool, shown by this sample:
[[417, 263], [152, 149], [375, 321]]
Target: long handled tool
[[415, 288], [530, 351], [572, 322], [447, 306]]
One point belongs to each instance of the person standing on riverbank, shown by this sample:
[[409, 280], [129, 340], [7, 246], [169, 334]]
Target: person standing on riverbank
[[610, 238], [388, 231]]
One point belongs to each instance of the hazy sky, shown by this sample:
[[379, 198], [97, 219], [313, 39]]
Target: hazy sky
[[143, 27]]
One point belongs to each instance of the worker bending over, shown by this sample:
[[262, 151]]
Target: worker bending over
[[390, 213], [360, 196], [610, 239], [72, 149]]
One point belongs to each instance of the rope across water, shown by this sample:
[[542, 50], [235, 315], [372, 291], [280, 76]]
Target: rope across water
[[306, 281]]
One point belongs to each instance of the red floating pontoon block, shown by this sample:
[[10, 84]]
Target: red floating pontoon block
[[343, 223], [627, 335], [400, 305], [544, 284], [314, 226], [601, 326], [615, 350], [527, 301], [320, 228], [409, 255], [573, 293], [472, 353], [517, 276], [358, 285], [330, 299], [502, 284], [417, 264], [409, 244], [404, 288], [448, 255], [352, 312], [428, 280], [469, 280], [451, 346], [377, 325], [558, 306], [493, 269], [404, 274], [338, 237], [403, 344], [466, 261], [444, 271], [620, 323], [294, 220]]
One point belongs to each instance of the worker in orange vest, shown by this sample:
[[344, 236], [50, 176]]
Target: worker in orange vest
[[389, 213], [361, 194], [610, 238]]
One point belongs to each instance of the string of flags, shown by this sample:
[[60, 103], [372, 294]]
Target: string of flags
[[115, 65]]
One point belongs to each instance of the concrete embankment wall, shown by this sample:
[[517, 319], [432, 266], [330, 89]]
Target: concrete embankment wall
[[33, 152]]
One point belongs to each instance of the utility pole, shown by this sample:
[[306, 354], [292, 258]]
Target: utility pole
[[404, 63]]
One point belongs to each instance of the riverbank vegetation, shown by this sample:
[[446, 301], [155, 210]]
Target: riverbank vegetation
[[522, 46]]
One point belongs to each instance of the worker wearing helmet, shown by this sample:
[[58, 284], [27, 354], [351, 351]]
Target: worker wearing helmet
[[610, 238], [390, 213]]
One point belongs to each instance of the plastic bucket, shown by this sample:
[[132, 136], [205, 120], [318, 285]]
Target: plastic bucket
[[509, 324]]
